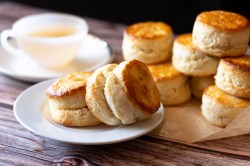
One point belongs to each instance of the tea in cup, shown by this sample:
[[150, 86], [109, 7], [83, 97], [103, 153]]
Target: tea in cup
[[50, 39]]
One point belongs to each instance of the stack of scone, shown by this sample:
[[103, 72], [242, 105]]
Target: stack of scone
[[222, 102], [151, 43], [67, 101], [113, 94], [224, 34], [189, 60]]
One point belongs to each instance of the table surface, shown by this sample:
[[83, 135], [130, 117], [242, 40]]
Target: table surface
[[18, 146]]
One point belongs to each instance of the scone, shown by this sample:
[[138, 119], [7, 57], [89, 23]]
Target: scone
[[199, 84], [67, 103], [172, 84], [189, 60], [95, 96], [233, 76], [220, 108], [148, 42], [131, 92], [221, 33]]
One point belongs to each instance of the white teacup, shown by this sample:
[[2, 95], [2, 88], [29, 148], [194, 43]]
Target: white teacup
[[50, 39]]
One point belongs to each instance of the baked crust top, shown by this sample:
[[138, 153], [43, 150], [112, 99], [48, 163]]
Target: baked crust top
[[223, 98], [140, 86], [164, 71], [242, 62], [223, 20], [149, 30], [68, 85], [185, 40]]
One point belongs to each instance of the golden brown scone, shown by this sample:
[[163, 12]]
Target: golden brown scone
[[131, 92], [220, 108], [221, 33], [95, 97], [148, 42], [199, 84], [191, 61], [233, 76], [66, 98], [69, 92], [172, 84]]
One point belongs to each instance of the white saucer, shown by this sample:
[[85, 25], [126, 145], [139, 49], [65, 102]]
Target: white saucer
[[94, 53], [31, 110]]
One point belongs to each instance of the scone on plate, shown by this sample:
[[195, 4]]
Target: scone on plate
[[221, 33], [131, 92], [191, 61], [199, 84], [148, 42], [233, 76], [220, 108], [172, 84], [67, 103], [95, 96]]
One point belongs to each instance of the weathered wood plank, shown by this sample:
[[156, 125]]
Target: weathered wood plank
[[238, 145], [18, 145], [10, 89], [135, 152]]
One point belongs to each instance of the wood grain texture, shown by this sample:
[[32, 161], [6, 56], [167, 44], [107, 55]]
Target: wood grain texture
[[18, 146], [10, 89]]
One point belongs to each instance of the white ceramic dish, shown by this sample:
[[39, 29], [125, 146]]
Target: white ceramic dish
[[31, 110], [94, 53]]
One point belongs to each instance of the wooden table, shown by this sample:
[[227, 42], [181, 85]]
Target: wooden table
[[18, 146]]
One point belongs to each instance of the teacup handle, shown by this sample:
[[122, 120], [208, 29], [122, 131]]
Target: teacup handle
[[5, 35]]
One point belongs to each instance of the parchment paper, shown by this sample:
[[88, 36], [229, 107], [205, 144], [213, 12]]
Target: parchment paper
[[185, 123]]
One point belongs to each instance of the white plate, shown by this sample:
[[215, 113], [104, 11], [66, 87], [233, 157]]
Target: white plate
[[94, 53], [31, 110]]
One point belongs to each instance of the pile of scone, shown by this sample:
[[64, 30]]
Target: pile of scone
[[112, 94], [161, 68], [216, 46], [152, 43]]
